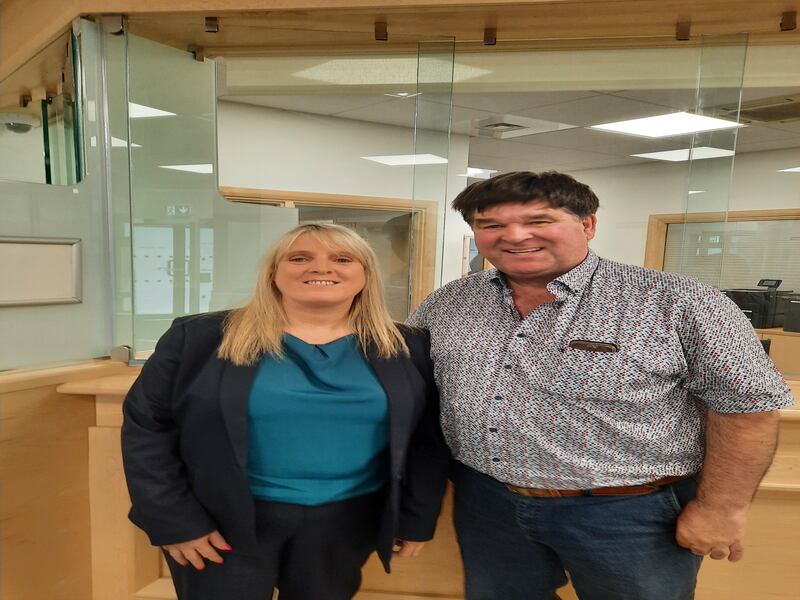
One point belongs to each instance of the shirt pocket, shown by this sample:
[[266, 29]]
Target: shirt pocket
[[589, 375]]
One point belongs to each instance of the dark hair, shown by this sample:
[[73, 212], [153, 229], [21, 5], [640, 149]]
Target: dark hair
[[557, 189]]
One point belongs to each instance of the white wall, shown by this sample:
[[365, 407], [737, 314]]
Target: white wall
[[22, 155], [268, 148], [629, 195]]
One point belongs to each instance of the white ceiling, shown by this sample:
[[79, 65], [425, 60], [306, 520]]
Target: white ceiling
[[571, 149]]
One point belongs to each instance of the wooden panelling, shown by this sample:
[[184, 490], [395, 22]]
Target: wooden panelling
[[123, 561], [44, 496], [268, 25], [28, 27]]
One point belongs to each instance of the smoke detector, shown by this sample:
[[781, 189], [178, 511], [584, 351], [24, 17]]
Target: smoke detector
[[18, 122]]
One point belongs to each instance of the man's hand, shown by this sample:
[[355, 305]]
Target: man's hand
[[712, 530], [407, 548], [194, 551]]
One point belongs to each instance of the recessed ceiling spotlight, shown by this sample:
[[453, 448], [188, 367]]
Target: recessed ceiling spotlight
[[683, 154], [696, 192], [396, 160], [791, 170], [679, 123]]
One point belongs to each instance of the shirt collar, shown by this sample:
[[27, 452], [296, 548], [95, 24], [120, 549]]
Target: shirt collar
[[573, 281], [577, 278]]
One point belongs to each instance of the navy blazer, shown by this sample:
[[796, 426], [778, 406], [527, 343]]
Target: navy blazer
[[184, 441]]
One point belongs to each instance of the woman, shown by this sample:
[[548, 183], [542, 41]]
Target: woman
[[279, 444]]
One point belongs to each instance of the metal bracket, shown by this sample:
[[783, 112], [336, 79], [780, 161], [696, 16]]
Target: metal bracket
[[381, 31], [121, 354], [212, 25], [789, 21], [490, 36], [197, 52], [113, 24]]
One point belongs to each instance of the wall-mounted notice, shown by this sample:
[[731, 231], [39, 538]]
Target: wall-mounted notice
[[39, 270]]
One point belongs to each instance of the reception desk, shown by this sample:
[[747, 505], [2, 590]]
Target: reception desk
[[126, 567]]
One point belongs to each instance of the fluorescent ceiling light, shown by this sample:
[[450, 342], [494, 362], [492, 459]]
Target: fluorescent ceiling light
[[667, 125], [140, 111], [696, 192], [792, 170], [407, 159], [476, 173], [698, 153], [207, 168], [118, 143]]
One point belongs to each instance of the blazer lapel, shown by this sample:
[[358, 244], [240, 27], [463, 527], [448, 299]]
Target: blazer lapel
[[234, 392], [391, 374]]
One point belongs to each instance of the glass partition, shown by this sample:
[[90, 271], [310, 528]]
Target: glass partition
[[40, 213], [191, 250], [40, 105], [711, 161], [361, 131], [432, 146]]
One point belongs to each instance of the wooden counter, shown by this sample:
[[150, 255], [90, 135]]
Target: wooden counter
[[45, 549], [126, 567], [784, 350]]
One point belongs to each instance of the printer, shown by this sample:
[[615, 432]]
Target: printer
[[764, 305]]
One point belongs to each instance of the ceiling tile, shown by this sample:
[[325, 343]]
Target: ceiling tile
[[507, 102], [594, 110]]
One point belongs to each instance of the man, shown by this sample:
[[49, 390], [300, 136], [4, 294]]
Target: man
[[607, 420]]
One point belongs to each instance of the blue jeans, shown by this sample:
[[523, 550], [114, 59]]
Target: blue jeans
[[613, 547]]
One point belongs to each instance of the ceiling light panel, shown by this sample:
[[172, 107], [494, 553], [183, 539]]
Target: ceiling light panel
[[140, 111], [397, 160], [205, 168], [680, 123], [684, 154]]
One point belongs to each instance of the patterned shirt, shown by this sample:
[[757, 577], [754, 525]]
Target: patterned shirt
[[524, 405]]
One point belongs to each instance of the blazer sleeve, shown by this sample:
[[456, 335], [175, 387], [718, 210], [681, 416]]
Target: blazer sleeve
[[428, 457], [162, 502]]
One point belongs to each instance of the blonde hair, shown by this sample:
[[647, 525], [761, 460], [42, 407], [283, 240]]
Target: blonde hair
[[257, 328]]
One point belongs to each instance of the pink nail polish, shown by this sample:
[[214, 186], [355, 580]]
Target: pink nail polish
[[227, 547]]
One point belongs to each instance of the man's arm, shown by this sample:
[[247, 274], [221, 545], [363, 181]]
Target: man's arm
[[739, 450]]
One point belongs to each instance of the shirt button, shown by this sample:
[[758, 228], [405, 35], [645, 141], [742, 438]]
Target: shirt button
[[492, 429], [498, 397], [495, 460], [520, 335], [506, 366]]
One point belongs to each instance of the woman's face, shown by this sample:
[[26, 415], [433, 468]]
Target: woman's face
[[311, 275]]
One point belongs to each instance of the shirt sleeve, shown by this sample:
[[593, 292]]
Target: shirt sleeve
[[728, 368]]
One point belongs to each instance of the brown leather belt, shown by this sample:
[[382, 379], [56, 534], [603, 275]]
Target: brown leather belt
[[641, 489]]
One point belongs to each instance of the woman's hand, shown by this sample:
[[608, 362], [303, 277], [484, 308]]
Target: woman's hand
[[407, 548], [194, 551]]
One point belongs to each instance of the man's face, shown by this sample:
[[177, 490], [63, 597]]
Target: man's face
[[531, 241]]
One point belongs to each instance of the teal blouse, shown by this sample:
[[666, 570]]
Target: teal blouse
[[318, 424]]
